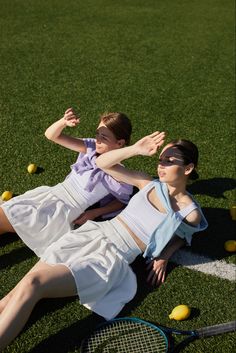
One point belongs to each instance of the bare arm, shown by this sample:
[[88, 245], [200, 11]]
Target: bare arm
[[157, 267], [110, 161], [114, 205], [54, 132]]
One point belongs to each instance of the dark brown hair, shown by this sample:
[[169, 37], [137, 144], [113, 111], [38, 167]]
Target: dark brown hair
[[189, 153], [119, 124]]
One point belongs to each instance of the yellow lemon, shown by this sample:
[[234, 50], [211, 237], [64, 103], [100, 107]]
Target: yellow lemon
[[230, 245], [233, 213], [7, 195], [32, 168], [180, 312]]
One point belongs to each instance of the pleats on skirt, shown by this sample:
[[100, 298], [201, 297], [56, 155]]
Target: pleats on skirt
[[98, 255], [41, 216]]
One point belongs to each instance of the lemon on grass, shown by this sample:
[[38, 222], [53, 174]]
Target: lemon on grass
[[180, 312], [32, 168], [230, 245], [7, 195]]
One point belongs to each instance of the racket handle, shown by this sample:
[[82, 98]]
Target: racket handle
[[217, 329]]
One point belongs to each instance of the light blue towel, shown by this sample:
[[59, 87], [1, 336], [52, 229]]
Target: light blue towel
[[172, 224]]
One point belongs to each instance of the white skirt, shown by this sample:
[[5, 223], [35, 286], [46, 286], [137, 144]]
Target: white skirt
[[98, 255], [41, 216]]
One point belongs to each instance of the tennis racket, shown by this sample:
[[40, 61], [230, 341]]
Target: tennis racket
[[131, 335]]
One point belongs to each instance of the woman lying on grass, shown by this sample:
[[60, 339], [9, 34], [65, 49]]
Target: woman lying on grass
[[94, 260], [41, 216]]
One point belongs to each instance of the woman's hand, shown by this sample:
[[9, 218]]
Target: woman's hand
[[70, 118], [149, 145], [157, 271], [55, 132], [157, 267], [110, 161], [88, 215]]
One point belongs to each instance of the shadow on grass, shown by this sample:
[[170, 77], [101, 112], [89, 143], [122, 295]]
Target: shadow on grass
[[211, 241], [214, 187], [8, 238], [70, 338], [15, 256], [220, 225], [39, 170]]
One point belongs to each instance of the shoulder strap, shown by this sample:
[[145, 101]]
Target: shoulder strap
[[162, 193], [186, 210]]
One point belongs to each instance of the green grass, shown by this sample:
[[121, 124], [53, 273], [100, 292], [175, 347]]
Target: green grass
[[169, 65]]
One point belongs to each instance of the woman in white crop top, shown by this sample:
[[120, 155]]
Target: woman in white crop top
[[41, 216], [177, 163], [94, 260]]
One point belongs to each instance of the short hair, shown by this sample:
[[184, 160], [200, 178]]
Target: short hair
[[119, 124]]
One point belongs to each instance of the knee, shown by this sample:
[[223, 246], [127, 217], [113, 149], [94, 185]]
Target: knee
[[30, 286]]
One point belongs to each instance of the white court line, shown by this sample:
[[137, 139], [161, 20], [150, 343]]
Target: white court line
[[204, 264]]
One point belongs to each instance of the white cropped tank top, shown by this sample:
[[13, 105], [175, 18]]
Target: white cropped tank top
[[79, 184], [143, 218]]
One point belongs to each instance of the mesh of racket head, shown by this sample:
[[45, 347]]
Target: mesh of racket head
[[125, 337]]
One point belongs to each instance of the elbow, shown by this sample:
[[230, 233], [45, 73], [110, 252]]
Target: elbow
[[99, 163], [102, 166], [50, 136], [47, 135]]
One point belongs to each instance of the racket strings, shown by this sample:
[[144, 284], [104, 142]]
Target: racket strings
[[125, 337]]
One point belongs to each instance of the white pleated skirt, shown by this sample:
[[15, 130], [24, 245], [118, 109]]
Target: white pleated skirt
[[41, 216], [98, 255]]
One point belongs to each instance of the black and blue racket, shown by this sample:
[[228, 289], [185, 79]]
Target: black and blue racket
[[133, 335]]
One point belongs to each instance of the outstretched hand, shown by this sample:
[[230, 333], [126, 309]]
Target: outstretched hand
[[149, 144], [70, 118], [157, 271]]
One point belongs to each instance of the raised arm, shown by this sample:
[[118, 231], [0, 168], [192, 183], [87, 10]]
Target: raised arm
[[54, 132], [110, 161]]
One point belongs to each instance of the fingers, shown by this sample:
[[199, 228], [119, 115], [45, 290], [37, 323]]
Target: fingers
[[68, 110], [157, 134], [70, 113], [158, 138], [156, 278], [149, 145], [157, 272], [71, 118]]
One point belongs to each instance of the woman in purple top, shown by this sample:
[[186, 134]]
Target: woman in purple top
[[41, 216], [94, 260]]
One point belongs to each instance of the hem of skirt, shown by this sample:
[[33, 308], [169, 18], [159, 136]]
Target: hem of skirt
[[86, 305], [4, 207], [18, 231], [106, 317], [61, 263]]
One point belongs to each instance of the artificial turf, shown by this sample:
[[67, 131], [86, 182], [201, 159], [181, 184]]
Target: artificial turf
[[168, 64]]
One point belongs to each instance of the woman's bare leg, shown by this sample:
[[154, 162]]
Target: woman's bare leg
[[43, 281], [5, 225], [4, 300]]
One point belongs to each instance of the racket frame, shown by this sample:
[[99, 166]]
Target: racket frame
[[166, 332]]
